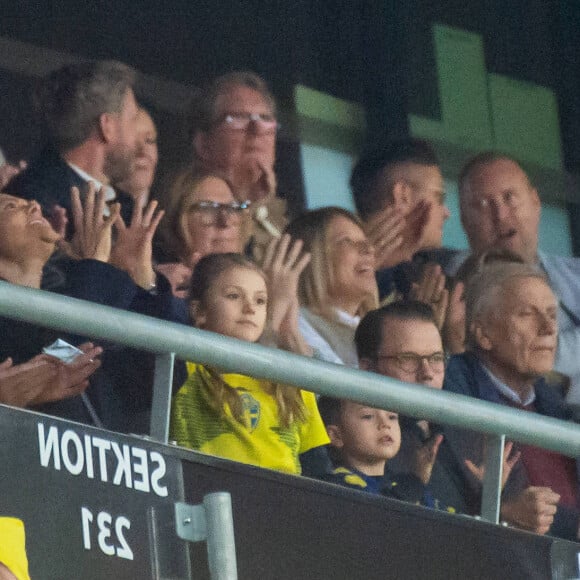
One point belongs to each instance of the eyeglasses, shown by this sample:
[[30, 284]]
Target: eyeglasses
[[211, 212], [241, 121], [410, 362]]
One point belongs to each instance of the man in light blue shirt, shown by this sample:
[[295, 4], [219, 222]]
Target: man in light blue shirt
[[500, 208]]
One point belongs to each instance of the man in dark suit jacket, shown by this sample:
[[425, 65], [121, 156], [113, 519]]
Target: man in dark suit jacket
[[89, 115]]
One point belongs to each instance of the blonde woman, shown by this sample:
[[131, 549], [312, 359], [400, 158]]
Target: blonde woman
[[338, 286]]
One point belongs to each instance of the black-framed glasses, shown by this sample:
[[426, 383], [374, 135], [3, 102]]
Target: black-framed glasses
[[241, 121], [210, 212], [411, 362]]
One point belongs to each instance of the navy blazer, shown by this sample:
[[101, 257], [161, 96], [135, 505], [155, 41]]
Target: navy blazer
[[48, 179]]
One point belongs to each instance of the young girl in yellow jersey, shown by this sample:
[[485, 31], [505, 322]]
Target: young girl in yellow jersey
[[238, 417]]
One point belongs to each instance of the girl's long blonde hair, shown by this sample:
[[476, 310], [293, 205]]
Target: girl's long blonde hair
[[219, 393]]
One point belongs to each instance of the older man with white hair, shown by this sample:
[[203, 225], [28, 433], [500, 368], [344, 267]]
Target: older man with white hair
[[500, 208], [511, 340]]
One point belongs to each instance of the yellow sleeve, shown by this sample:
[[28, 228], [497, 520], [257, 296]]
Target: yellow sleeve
[[313, 432], [12, 547]]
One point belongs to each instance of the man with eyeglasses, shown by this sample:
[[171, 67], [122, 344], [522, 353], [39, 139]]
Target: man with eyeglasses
[[402, 341], [233, 131]]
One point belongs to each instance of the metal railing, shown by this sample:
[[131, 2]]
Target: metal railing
[[168, 340]]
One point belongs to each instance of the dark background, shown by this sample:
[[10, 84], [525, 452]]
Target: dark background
[[376, 52]]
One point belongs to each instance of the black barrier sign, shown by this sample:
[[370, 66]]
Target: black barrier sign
[[95, 504]]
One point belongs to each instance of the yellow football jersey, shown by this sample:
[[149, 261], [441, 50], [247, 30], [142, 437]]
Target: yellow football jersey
[[12, 547], [261, 441]]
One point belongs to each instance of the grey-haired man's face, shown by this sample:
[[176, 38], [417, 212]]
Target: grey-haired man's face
[[224, 147]]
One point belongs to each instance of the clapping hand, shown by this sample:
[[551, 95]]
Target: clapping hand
[[396, 235], [179, 274], [283, 264], [431, 290], [93, 230], [45, 379], [133, 248], [509, 461], [425, 452]]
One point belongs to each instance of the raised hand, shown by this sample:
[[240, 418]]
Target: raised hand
[[509, 460], [415, 230], [453, 331], [431, 290], [283, 264], [397, 235], [133, 248], [58, 219], [93, 230], [425, 453], [8, 172], [385, 232]]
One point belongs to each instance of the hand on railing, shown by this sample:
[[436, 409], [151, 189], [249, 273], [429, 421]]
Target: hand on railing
[[45, 379], [92, 229], [478, 471], [532, 510], [133, 248], [283, 264]]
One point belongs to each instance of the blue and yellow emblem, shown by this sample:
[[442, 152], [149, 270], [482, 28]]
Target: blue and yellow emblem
[[251, 409]]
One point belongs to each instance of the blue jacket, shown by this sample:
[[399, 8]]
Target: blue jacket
[[564, 277]]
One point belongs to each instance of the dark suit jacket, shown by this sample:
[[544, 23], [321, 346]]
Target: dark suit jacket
[[466, 376], [121, 390], [48, 179]]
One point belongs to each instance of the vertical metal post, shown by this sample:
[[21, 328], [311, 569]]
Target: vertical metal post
[[221, 543], [491, 492], [162, 387], [213, 523]]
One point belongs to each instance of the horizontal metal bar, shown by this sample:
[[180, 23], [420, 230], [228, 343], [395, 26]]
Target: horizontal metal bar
[[102, 322]]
